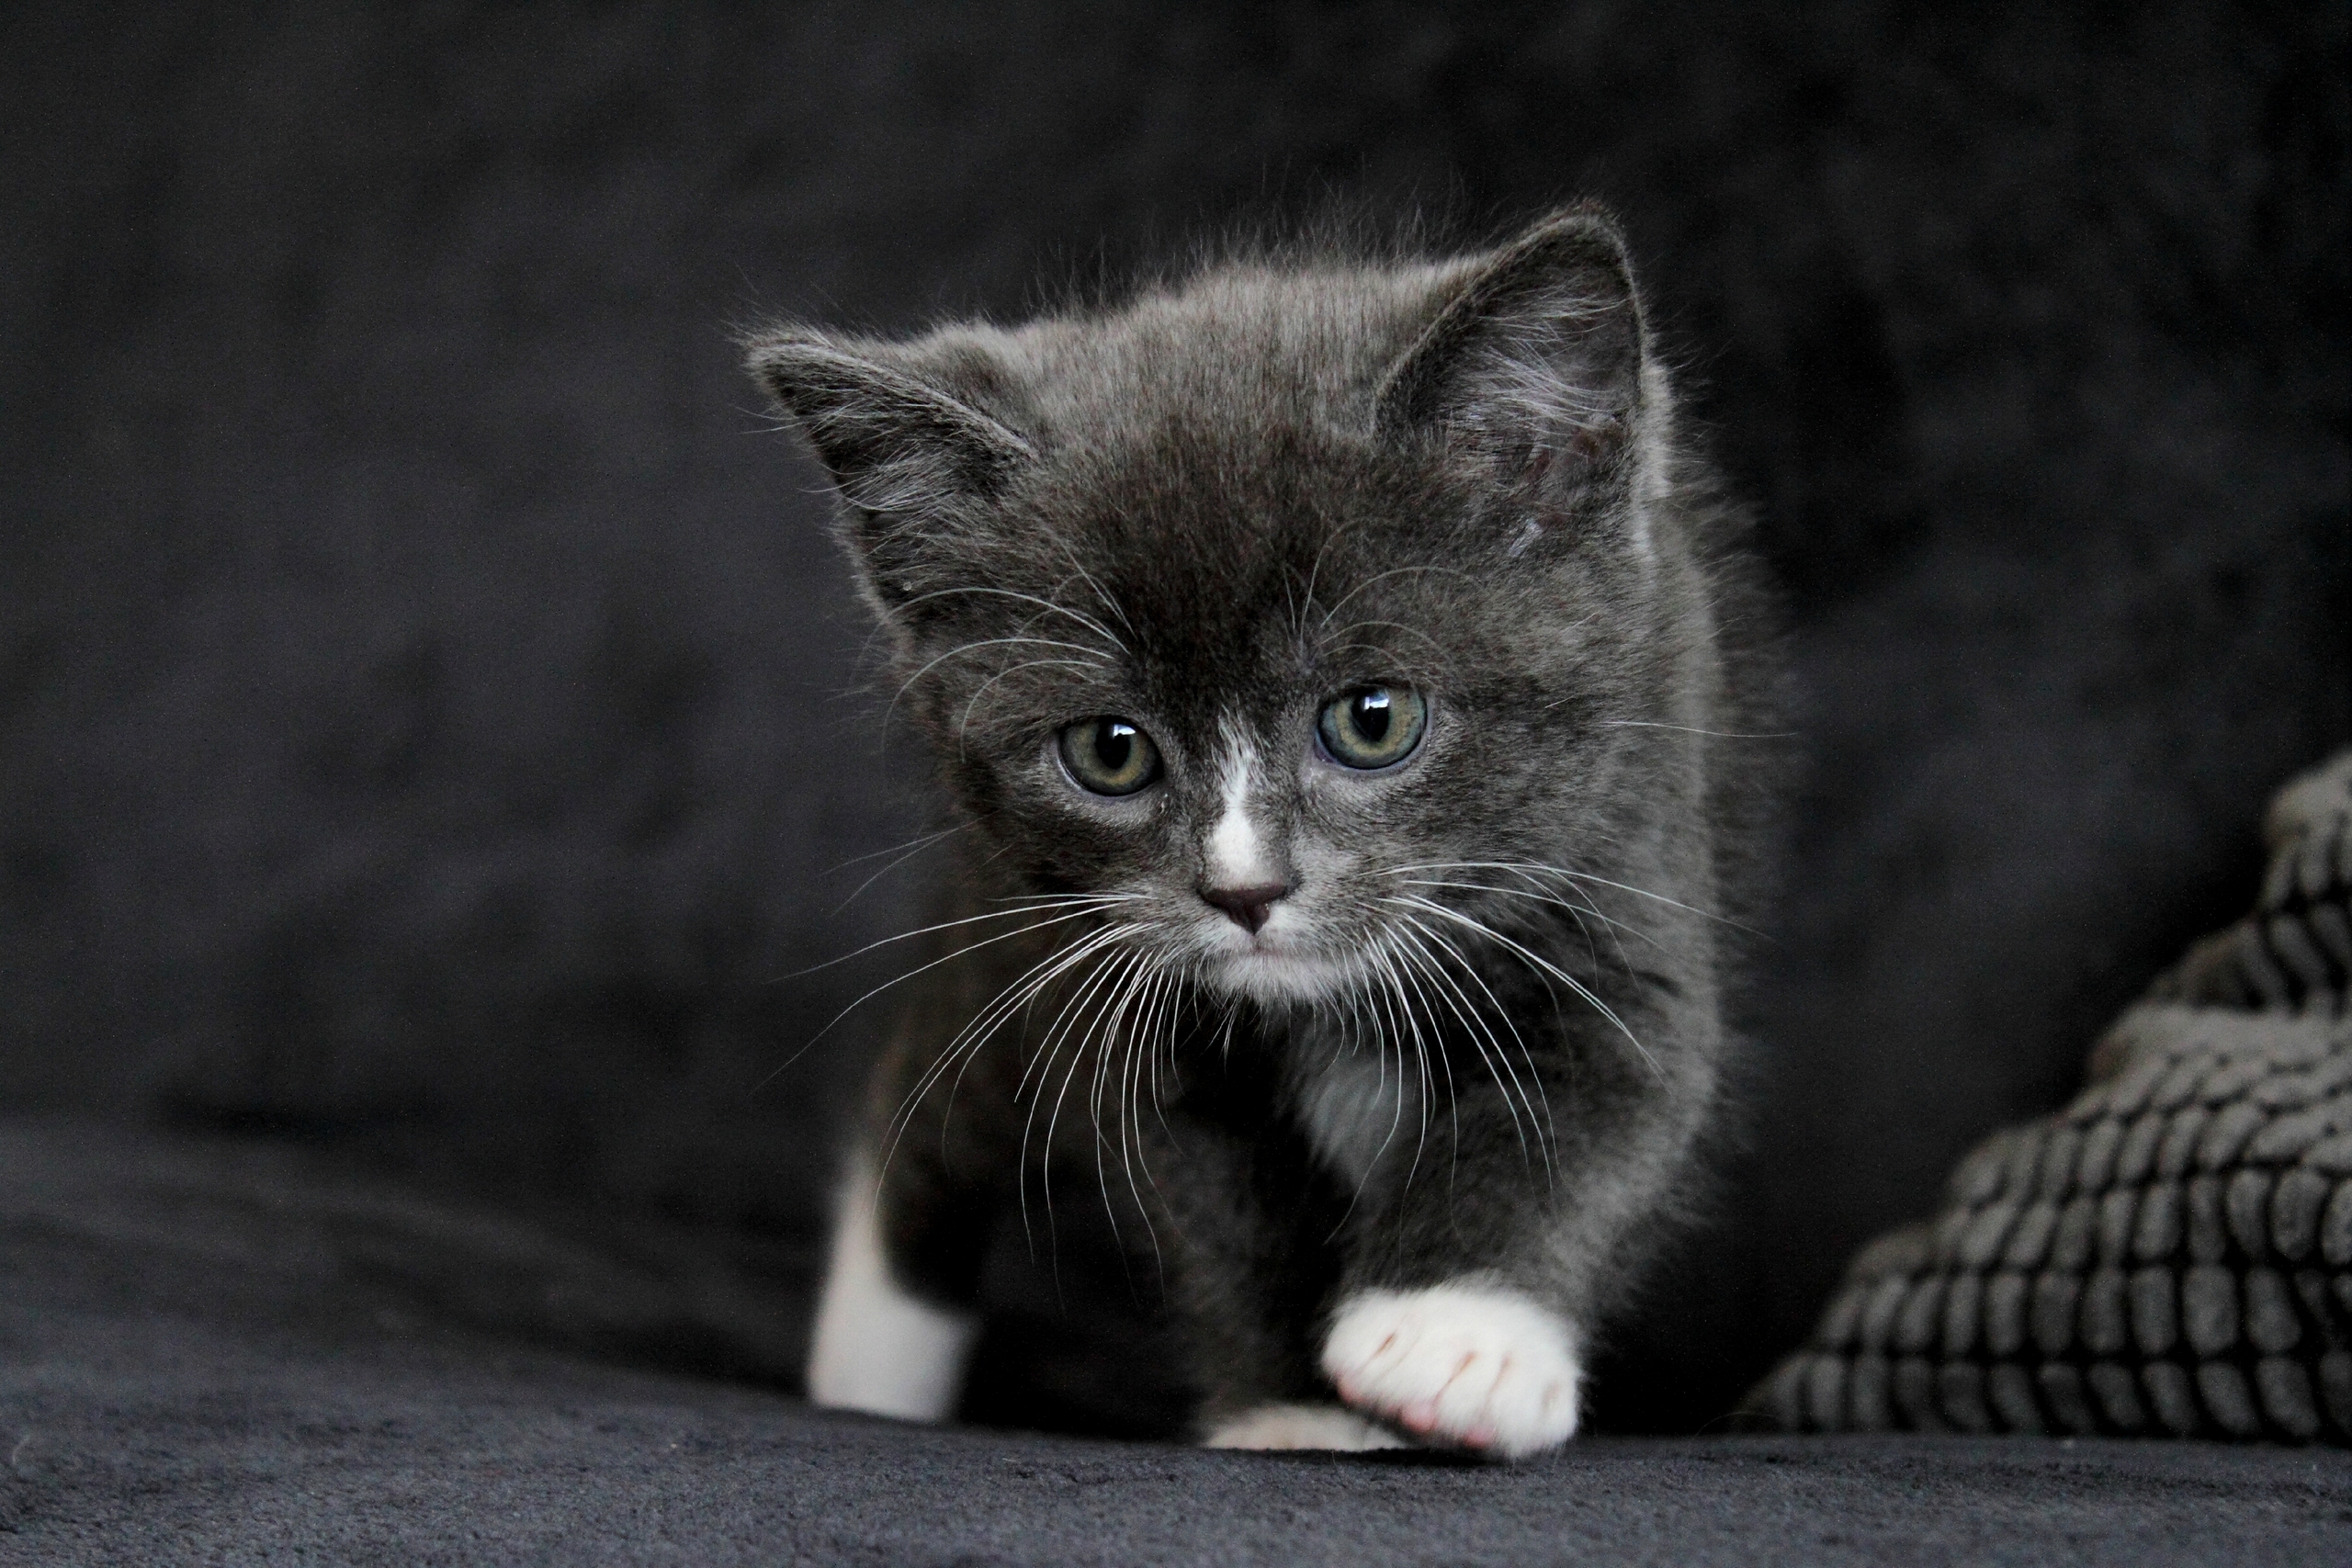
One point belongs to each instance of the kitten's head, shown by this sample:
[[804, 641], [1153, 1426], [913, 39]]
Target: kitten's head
[[1273, 606]]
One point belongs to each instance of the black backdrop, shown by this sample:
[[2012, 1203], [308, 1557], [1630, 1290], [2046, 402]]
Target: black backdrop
[[430, 717]]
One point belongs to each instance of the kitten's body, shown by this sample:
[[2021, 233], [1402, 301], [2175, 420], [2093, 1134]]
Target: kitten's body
[[1403, 1060]]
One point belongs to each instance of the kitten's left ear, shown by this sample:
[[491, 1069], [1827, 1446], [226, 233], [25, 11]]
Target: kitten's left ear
[[1537, 354]]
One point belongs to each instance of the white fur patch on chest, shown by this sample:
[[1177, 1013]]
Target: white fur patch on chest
[[1353, 1110]]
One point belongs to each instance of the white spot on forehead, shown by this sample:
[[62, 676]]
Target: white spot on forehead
[[1237, 853]]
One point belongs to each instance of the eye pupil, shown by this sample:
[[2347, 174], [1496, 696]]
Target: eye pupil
[[1114, 743], [1372, 716]]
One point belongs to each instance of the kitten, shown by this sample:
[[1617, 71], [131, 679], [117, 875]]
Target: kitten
[[1328, 663]]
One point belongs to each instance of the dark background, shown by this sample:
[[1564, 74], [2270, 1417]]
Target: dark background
[[431, 717]]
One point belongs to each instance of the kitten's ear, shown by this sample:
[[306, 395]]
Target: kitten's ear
[[902, 434], [1536, 354]]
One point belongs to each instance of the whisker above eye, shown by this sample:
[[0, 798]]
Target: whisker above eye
[[1093, 654], [1332, 614], [964, 721], [1089, 622], [1441, 649]]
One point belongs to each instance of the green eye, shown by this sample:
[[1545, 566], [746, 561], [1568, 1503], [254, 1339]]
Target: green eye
[[1373, 727], [1109, 756]]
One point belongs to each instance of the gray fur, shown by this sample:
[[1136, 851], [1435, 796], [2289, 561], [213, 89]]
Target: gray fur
[[1208, 511]]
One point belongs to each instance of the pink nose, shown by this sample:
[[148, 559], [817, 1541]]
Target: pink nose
[[1248, 906]]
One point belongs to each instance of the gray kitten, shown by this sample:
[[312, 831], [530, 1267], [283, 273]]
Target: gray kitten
[[1329, 664]]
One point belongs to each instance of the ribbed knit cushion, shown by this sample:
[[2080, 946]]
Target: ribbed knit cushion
[[2172, 1253]]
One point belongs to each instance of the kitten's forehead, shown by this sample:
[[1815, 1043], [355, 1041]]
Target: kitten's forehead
[[1310, 345], [1237, 558], [1208, 468]]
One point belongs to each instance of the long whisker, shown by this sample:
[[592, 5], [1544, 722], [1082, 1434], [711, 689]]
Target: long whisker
[[1574, 877], [1687, 729], [1143, 1041], [1409, 971], [834, 1021], [1012, 997], [1393, 992], [910, 843], [964, 1045], [1122, 965], [1578, 908], [1354, 1022], [1543, 965], [1578, 911], [1534, 1076], [907, 852], [1041, 1066], [1458, 1002], [1575, 911], [1017, 907]]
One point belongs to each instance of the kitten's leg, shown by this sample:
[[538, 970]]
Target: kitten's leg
[[1249, 1218], [879, 1346], [897, 1317], [1463, 1312]]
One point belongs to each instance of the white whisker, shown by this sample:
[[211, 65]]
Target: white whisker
[[1543, 965], [1466, 1013], [1687, 729]]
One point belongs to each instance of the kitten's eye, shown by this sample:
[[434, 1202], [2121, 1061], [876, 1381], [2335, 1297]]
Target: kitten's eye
[[1373, 727], [1109, 756]]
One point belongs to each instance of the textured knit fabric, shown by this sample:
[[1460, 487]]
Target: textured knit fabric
[[2172, 1253]]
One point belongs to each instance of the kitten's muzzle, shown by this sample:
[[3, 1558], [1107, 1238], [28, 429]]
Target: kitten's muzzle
[[1248, 906]]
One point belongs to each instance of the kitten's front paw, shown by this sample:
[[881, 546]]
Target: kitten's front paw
[[1322, 1427], [1482, 1368]]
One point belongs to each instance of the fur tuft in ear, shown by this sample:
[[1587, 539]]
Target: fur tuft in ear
[[1537, 354], [912, 459]]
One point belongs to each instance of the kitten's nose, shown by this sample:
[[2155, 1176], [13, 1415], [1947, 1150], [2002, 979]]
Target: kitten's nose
[[1248, 906]]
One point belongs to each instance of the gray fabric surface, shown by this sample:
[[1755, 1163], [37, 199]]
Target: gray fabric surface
[[211, 1353]]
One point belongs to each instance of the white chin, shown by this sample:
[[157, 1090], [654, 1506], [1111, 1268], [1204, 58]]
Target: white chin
[[1279, 976]]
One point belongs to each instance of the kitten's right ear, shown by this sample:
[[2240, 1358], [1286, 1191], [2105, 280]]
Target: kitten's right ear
[[1536, 353], [915, 461]]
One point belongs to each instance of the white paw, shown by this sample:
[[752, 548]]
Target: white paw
[[1301, 1427], [1478, 1367]]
